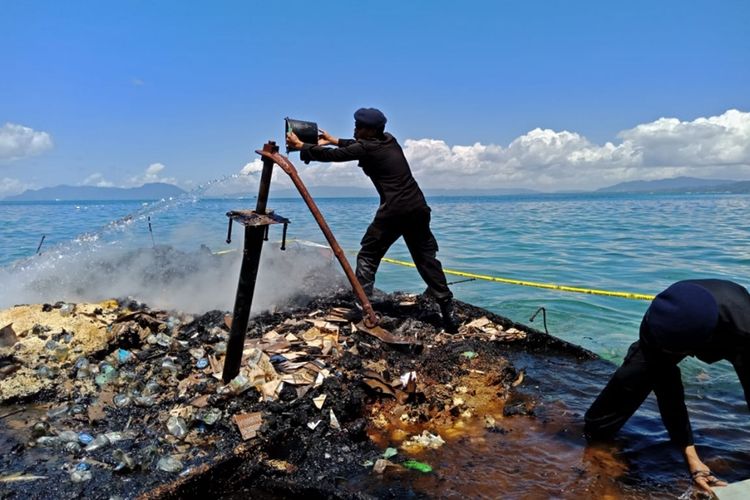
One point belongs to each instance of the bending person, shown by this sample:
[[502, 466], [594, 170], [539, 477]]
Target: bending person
[[403, 210], [708, 319]]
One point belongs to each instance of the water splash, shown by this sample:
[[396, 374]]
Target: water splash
[[111, 262]]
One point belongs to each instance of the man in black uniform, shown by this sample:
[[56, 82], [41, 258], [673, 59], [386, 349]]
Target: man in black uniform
[[403, 210], [708, 319]]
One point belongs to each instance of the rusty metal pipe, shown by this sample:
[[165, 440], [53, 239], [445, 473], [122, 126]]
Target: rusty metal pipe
[[371, 318]]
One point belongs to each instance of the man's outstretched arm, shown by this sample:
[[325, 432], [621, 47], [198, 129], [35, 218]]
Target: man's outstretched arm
[[670, 396]]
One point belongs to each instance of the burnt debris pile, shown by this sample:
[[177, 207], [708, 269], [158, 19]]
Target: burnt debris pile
[[118, 400]]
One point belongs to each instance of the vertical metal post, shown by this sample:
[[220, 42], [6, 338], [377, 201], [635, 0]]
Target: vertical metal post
[[248, 274]]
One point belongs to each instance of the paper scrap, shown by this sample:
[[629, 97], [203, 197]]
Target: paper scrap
[[319, 401], [248, 424]]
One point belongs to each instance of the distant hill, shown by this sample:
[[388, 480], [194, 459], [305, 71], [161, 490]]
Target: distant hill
[[153, 191], [735, 187], [357, 192], [677, 184], [478, 192], [327, 192]]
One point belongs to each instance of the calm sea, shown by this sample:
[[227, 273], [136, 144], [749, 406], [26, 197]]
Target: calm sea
[[622, 242]]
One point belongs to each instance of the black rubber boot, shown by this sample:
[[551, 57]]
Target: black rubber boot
[[450, 324]]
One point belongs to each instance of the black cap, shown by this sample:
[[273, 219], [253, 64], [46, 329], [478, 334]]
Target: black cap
[[682, 317], [370, 117]]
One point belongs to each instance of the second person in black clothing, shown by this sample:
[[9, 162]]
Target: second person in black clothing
[[403, 211], [708, 319]]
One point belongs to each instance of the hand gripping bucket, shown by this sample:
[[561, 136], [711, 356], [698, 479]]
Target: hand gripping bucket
[[306, 131]]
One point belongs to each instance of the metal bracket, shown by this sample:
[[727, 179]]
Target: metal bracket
[[253, 218]]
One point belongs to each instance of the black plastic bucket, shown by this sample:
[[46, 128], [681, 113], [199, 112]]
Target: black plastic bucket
[[306, 131]]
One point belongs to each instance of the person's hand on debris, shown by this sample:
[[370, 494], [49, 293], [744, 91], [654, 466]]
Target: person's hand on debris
[[705, 480], [702, 476], [292, 141], [324, 138]]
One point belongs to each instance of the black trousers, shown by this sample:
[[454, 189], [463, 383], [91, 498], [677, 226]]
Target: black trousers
[[641, 372], [415, 228]]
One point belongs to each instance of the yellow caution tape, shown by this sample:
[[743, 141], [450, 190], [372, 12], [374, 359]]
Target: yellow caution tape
[[548, 286], [508, 281]]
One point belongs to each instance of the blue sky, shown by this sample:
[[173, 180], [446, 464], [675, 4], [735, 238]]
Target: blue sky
[[118, 93]]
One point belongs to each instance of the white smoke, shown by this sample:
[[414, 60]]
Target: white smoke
[[166, 278]]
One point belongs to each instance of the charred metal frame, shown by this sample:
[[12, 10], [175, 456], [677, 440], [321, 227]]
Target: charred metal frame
[[256, 231]]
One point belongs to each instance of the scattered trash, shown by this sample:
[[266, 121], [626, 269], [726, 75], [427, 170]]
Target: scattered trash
[[19, 477], [177, 427], [248, 424], [319, 400], [80, 476], [409, 382], [424, 440], [156, 378], [388, 337], [8, 336], [125, 462], [334, 422], [85, 438], [67, 309], [124, 356], [313, 425], [485, 327], [415, 465], [169, 464], [469, 354], [100, 441], [380, 465]]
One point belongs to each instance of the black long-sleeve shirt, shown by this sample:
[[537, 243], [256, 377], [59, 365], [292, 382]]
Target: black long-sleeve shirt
[[730, 340], [383, 160]]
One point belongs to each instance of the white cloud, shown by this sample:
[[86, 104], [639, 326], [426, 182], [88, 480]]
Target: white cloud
[[9, 187], [713, 141], [255, 166], [152, 175], [17, 141], [717, 146], [98, 180]]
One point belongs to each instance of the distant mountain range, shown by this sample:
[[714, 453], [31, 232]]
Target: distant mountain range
[[357, 192], [679, 185], [152, 191], [157, 191]]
